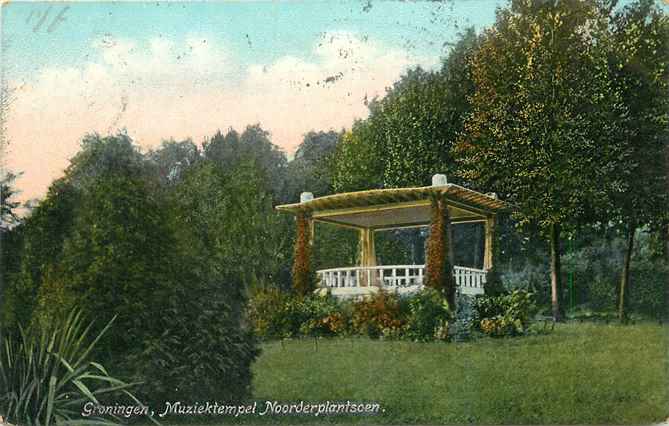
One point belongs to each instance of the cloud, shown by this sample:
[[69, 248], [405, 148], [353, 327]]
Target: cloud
[[162, 88]]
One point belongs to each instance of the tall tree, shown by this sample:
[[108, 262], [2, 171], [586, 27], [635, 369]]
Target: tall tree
[[639, 67], [8, 205], [542, 117], [10, 236], [170, 161], [357, 164], [409, 133], [230, 149], [310, 169], [44, 232], [118, 260]]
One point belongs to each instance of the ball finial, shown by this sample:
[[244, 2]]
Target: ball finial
[[439, 180], [306, 196]]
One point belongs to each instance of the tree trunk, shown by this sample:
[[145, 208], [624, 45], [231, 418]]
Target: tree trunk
[[624, 280], [303, 282], [556, 273]]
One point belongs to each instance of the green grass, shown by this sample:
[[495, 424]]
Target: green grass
[[581, 373]]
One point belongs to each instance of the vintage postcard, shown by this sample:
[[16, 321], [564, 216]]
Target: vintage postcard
[[334, 212]]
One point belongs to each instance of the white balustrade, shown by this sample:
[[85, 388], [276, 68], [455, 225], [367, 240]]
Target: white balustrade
[[397, 277]]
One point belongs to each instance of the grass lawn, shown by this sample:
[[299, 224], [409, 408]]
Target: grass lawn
[[581, 373]]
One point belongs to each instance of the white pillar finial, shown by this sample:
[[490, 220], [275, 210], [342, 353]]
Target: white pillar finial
[[439, 180], [306, 196]]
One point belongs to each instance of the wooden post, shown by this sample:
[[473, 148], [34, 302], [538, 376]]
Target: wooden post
[[303, 281], [439, 259], [367, 250], [489, 243]]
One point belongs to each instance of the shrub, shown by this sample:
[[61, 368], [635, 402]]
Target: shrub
[[428, 317], [205, 351], [46, 374], [264, 309], [278, 315], [323, 316], [602, 294], [506, 315], [647, 292], [377, 315]]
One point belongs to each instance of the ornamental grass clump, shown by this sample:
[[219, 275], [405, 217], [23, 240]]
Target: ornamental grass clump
[[46, 375]]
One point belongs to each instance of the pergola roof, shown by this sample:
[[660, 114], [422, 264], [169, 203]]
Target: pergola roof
[[397, 207]]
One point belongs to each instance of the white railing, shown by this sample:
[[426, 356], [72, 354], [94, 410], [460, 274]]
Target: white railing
[[470, 280]]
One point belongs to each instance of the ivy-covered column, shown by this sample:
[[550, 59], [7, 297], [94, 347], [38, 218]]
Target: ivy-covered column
[[439, 259], [303, 279]]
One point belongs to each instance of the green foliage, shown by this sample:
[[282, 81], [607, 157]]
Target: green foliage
[[310, 170], [118, 259], [506, 315], [8, 215], [639, 70], [205, 351], [324, 317], [648, 290], [44, 233], [171, 160], [428, 316], [229, 150], [264, 308], [544, 112], [378, 315], [357, 165], [410, 131], [275, 314], [47, 375]]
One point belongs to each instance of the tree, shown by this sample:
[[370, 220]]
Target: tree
[[543, 115], [310, 169], [8, 206], [229, 150], [640, 40], [172, 159], [357, 164], [103, 156], [44, 232], [9, 237], [409, 133], [118, 260]]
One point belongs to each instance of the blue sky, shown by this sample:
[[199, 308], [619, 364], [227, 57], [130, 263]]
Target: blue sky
[[257, 31], [164, 70]]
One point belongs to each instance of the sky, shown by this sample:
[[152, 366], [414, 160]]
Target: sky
[[164, 70]]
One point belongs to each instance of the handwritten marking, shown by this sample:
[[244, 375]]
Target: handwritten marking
[[41, 17]]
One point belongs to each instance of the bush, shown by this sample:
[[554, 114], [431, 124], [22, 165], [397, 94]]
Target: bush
[[323, 316], [507, 315], [428, 317], [46, 374], [647, 292], [277, 315], [602, 294], [378, 315], [264, 309], [205, 351]]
